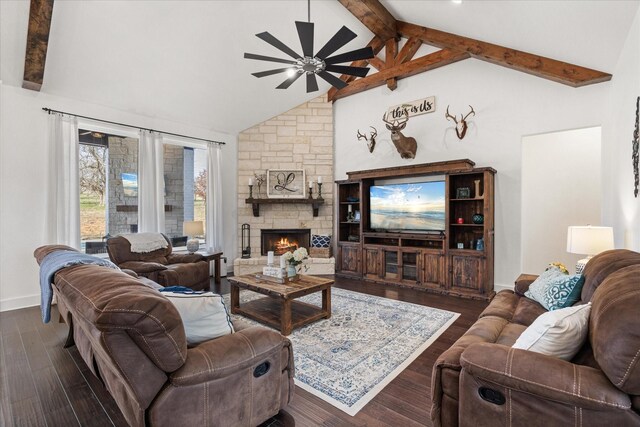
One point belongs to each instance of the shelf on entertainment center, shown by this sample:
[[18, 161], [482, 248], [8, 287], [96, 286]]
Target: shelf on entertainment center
[[467, 225], [404, 240], [467, 199]]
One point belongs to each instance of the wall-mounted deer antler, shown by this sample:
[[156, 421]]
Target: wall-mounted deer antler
[[371, 139], [461, 126], [406, 146]]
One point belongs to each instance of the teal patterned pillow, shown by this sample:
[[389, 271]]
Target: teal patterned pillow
[[557, 290]]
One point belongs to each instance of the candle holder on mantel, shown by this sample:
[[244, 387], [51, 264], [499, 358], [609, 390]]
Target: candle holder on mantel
[[311, 192], [319, 190], [250, 191]]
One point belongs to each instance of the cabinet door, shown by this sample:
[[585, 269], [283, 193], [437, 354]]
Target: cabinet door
[[467, 273], [390, 264], [410, 261], [372, 265], [349, 259], [433, 270]]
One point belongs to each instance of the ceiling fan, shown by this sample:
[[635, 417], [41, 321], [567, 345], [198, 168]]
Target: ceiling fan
[[311, 65]]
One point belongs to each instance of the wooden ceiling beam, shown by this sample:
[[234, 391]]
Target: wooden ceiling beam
[[391, 50], [551, 69], [377, 63], [408, 50], [410, 68], [40, 12], [374, 16]]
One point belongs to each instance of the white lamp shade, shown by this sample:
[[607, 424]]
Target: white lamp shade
[[193, 228], [588, 240]]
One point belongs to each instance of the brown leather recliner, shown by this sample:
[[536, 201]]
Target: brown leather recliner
[[162, 265], [481, 381], [132, 338]]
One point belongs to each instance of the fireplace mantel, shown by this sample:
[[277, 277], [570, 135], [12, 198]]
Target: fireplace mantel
[[257, 202]]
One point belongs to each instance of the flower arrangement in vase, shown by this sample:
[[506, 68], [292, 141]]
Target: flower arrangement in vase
[[294, 260]]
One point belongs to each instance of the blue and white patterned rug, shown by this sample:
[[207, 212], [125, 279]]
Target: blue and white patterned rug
[[348, 359]]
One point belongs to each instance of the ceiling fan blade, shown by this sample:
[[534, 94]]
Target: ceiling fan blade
[[332, 80], [339, 39], [285, 84], [312, 82], [344, 69], [270, 72], [305, 32], [268, 58], [354, 55], [266, 36]]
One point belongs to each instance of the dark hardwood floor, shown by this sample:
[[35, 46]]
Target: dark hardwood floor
[[43, 384]]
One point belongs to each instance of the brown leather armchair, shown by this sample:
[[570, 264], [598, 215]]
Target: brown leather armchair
[[162, 265], [482, 381]]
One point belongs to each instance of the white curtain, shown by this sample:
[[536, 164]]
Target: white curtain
[[63, 189], [150, 182], [214, 226]]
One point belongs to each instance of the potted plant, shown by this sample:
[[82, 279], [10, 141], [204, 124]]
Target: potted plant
[[294, 260]]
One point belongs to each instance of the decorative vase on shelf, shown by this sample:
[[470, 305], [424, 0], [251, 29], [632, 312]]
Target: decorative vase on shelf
[[291, 270], [480, 244], [477, 218], [477, 194]]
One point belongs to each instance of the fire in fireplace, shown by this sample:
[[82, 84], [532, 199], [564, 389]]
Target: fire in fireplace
[[282, 240]]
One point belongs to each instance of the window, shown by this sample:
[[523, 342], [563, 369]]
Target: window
[[108, 187], [185, 180], [108, 168]]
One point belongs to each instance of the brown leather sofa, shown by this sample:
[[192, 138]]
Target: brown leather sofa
[[132, 338], [162, 265], [481, 381]]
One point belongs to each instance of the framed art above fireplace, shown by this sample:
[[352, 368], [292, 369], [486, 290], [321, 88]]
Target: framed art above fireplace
[[286, 183]]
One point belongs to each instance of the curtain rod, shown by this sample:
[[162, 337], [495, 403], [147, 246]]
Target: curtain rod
[[49, 110]]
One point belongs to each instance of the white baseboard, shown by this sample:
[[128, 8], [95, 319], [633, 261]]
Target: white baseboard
[[501, 287], [20, 302]]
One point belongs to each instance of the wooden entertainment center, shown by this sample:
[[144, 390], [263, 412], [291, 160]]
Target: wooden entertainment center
[[448, 262]]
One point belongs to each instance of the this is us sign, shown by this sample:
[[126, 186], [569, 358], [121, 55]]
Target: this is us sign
[[414, 108]]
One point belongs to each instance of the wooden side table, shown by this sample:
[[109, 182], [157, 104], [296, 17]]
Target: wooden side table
[[215, 257]]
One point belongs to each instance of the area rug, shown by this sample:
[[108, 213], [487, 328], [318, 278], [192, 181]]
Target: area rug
[[348, 359]]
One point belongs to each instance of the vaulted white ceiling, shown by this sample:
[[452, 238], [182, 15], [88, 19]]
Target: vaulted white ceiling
[[183, 60]]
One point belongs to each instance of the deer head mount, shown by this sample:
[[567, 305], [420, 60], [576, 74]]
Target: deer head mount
[[371, 139], [406, 146], [461, 126]]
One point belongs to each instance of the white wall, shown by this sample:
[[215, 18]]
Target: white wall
[[23, 138], [621, 209], [508, 105], [561, 186]]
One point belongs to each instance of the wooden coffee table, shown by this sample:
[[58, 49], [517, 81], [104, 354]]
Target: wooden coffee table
[[279, 308]]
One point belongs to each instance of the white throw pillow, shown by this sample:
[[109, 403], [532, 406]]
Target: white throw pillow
[[204, 315], [558, 333]]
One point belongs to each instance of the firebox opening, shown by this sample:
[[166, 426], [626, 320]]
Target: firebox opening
[[282, 240]]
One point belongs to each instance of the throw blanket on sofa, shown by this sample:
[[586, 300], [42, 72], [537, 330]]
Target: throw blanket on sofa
[[146, 242], [57, 261]]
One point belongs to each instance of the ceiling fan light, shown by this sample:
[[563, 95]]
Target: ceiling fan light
[[291, 72]]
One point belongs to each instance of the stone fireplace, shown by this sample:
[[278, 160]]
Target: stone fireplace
[[299, 139], [282, 240]]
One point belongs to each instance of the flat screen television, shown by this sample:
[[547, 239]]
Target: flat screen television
[[416, 206]]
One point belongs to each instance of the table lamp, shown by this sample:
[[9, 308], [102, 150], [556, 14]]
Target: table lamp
[[588, 240], [193, 229]]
